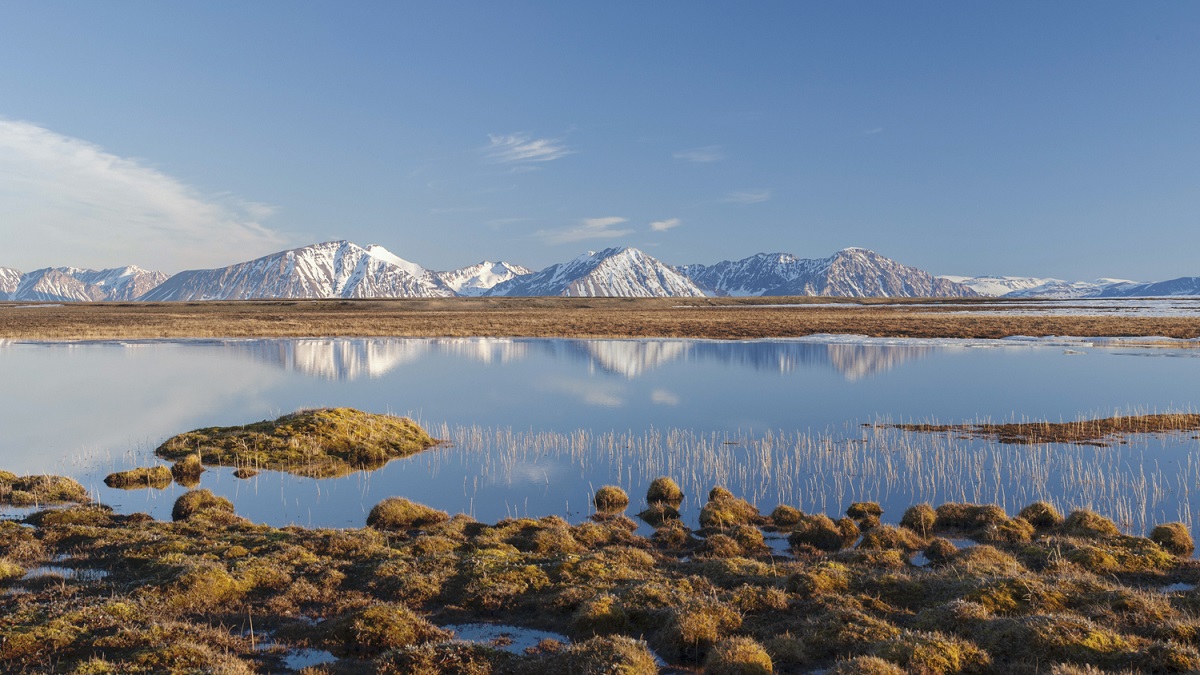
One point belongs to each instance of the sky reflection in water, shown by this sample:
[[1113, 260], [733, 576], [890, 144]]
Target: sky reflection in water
[[583, 413]]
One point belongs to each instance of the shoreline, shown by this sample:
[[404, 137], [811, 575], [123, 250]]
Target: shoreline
[[601, 318]]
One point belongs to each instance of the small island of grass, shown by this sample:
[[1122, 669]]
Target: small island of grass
[[322, 443]]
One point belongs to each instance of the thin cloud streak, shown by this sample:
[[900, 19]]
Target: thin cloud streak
[[664, 225], [703, 155], [68, 201], [520, 148], [590, 228], [747, 197]]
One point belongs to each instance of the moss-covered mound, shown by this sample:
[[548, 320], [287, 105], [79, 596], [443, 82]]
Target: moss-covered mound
[[34, 490], [142, 477], [321, 443]]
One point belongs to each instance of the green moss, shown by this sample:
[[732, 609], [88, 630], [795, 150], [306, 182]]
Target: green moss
[[738, 656], [920, 519], [200, 502], [610, 499], [187, 469], [840, 631], [663, 490], [460, 658], [940, 550], [887, 536], [659, 513], [1174, 538], [37, 490], [380, 627], [861, 510], [725, 510], [984, 560], [398, 513], [720, 546], [865, 665], [691, 630], [785, 516], [823, 579], [142, 477], [1084, 523], [10, 570], [601, 615], [968, 517], [1093, 559], [1042, 515], [618, 655], [322, 443], [818, 531], [934, 654]]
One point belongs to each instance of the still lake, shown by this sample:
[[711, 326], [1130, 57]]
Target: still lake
[[535, 425]]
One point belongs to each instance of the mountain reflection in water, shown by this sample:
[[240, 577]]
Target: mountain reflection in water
[[355, 358]]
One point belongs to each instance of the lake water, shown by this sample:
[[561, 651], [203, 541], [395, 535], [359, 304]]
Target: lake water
[[535, 425]]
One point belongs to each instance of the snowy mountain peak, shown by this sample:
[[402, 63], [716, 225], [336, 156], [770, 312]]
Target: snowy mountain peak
[[853, 272], [72, 284], [478, 279], [332, 269], [613, 272]]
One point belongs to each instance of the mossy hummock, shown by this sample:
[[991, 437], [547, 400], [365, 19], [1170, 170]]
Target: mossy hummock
[[321, 443]]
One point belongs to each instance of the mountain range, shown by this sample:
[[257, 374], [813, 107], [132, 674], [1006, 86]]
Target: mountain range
[[342, 269]]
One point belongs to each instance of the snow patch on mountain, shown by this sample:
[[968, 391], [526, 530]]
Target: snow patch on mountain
[[614, 272], [478, 279], [9, 278]]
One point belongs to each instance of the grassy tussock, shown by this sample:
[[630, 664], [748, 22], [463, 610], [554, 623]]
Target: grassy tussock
[[320, 443], [206, 592], [157, 477], [34, 490]]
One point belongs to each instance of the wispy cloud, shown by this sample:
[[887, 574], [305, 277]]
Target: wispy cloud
[[872, 132], [704, 155], [664, 397], [664, 225], [590, 228], [747, 196], [68, 201], [522, 148]]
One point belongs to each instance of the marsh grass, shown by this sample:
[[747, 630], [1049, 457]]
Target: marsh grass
[[1099, 432], [1147, 479]]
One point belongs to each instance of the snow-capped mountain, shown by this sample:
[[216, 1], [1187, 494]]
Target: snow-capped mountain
[[1057, 289], [71, 284], [335, 269], [613, 272], [1175, 287], [995, 287], [477, 279], [851, 272], [9, 278]]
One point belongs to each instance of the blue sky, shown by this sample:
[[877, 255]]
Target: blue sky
[[1054, 139]]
